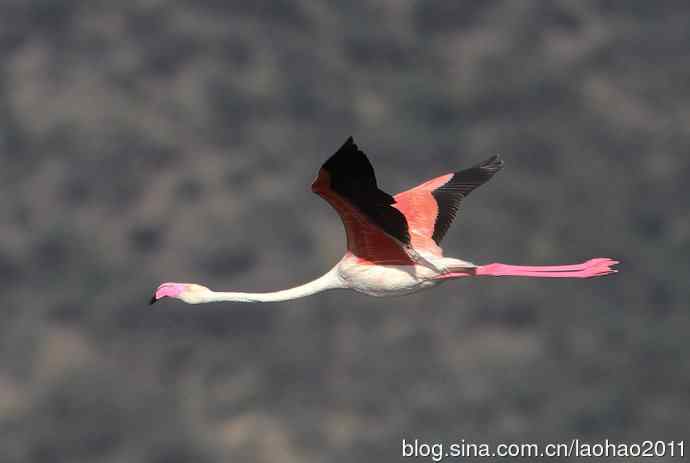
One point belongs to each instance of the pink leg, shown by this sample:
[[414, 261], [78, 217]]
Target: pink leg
[[591, 268]]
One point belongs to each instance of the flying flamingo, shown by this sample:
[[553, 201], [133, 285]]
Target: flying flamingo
[[392, 241]]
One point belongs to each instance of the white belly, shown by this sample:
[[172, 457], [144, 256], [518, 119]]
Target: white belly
[[385, 280]]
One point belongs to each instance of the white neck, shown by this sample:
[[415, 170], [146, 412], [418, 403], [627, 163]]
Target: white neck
[[325, 282]]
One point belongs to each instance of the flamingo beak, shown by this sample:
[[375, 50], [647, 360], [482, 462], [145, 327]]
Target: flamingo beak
[[167, 290]]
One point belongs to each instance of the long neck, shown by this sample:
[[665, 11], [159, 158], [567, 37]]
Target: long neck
[[325, 282]]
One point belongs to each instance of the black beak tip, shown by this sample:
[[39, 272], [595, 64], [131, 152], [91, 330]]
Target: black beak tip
[[153, 300]]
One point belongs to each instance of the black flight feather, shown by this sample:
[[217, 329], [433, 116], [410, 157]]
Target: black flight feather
[[449, 195], [353, 178]]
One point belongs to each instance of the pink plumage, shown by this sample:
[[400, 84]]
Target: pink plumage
[[393, 242]]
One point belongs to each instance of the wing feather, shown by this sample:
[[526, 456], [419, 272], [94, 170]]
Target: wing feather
[[376, 231], [431, 207]]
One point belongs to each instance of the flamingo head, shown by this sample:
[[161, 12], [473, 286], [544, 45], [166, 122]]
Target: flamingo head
[[190, 293]]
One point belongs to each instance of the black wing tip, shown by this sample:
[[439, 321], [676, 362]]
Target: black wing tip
[[349, 145], [153, 300], [347, 148], [351, 161], [478, 173], [493, 164]]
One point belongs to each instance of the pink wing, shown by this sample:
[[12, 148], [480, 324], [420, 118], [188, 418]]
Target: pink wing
[[376, 231], [431, 207]]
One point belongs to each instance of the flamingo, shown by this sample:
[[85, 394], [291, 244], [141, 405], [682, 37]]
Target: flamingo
[[393, 242]]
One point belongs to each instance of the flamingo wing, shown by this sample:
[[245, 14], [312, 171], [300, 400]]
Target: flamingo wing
[[376, 231], [431, 207]]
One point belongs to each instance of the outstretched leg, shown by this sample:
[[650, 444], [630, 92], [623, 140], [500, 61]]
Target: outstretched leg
[[592, 268]]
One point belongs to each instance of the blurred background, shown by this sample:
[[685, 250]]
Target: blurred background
[[144, 141]]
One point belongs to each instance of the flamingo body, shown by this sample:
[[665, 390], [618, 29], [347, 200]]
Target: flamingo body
[[393, 242], [390, 280]]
